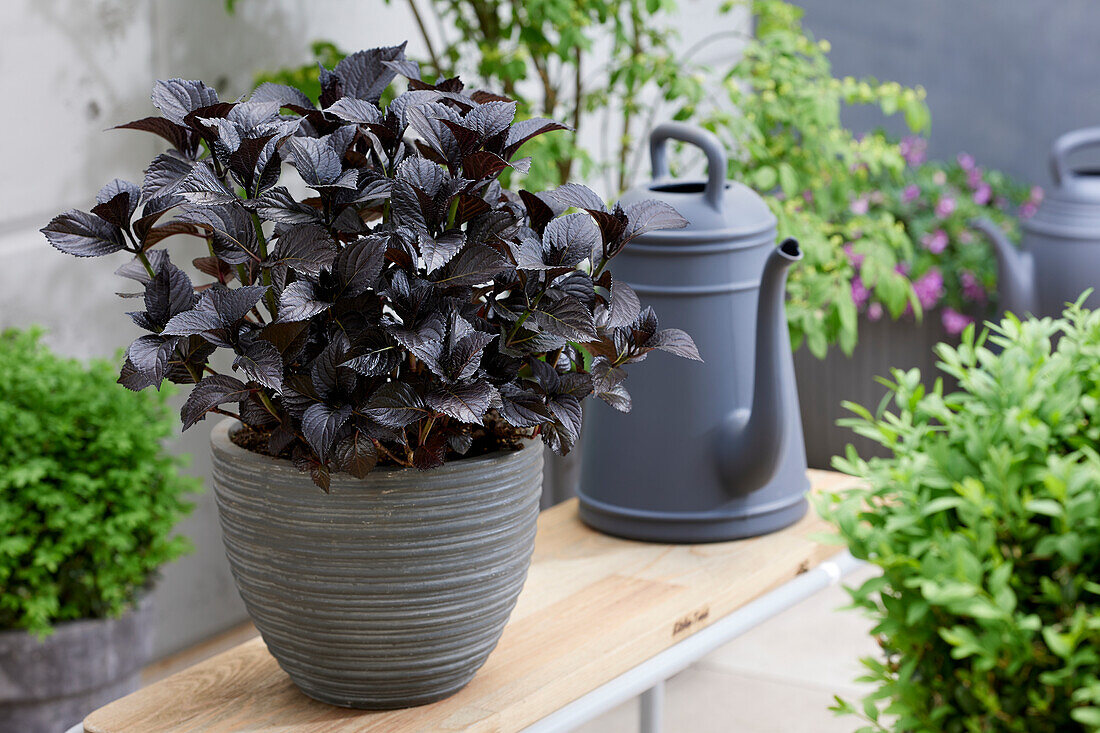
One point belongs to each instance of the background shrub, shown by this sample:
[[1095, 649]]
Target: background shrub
[[986, 524], [88, 498]]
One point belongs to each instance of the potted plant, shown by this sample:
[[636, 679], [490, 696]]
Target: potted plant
[[952, 269], [399, 336], [88, 502], [985, 522]]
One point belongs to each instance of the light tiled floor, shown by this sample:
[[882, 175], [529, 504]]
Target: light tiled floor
[[778, 678]]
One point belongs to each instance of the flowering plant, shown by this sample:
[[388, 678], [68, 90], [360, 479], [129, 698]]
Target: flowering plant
[[952, 269]]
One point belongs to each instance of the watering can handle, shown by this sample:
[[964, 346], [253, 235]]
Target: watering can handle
[[708, 142], [1067, 144]]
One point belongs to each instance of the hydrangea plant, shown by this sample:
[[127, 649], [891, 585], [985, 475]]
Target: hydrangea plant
[[405, 308], [985, 523]]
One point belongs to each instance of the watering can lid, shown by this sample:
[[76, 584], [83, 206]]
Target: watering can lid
[[715, 208]]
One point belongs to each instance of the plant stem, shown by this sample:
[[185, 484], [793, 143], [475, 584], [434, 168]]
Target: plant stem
[[265, 273], [145, 261], [267, 403]]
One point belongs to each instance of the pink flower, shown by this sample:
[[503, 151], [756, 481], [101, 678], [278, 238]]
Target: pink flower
[[929, 288], [902, 268], [945, 207], [974, 177], [874, 311], [939, 178], [854, 257], [913, 149], [954, 322], [808, 196], [1028, 209], [966, 161], [965, 237], [860, 294], [911, 193], [859, 205], [972, 287], [935, 242], [1036, 194], [982, 194]]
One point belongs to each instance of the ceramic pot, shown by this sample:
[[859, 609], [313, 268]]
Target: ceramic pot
[[390, 591], [48, 685]]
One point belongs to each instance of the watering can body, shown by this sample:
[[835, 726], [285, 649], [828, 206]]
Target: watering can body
[[1059, 255], [711, 450]]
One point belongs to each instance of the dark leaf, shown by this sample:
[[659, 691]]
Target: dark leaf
[[477, 264], [168, 294], [365, 74], [649, 215], [284, 95], [297, 302], [176, 98], [465, 403], [277, 204], [316, 161], [356, 455], [566, 317], [202, 186], [570, 239], [522, 408], [182, 139], [263, 363], [674, 341], [320, 423], [396, 404], [307, 248], [232, 232], [577, 196], [116, 202], [164, 174], [214, 390], [374, 355], [438, 251], [431, 453], [84, 235], [524, 130], [360, 265], [354, 110]]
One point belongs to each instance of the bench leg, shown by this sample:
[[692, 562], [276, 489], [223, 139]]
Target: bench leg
[[652, 703]]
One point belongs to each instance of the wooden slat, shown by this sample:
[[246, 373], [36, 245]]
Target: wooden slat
[[593, 607]]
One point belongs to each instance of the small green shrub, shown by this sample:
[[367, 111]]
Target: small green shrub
[[986, 524], [88, 498]]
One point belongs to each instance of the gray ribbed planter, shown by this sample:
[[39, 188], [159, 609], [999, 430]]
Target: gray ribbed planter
[[390, 591], [824, 383], [47, 686]]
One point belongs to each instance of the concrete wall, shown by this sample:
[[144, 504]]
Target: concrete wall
[[1004, 77], [69, 70]]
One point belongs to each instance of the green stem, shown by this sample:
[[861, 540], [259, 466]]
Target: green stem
[[145, 261], [265, 273], [522, 318], [267, 403]]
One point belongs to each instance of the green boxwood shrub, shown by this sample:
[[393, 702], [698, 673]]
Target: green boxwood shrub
[[88, 497], [985, 522]]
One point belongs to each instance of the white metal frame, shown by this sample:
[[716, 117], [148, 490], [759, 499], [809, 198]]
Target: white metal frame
[[647, 680]]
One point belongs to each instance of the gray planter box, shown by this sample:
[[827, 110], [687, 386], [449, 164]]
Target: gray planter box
[[48, 685], [824, 383]]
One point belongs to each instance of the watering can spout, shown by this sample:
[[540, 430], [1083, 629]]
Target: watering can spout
[[1016, 270], [751, 440]]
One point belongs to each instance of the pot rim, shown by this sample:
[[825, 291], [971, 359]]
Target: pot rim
[[221, 432], [143, 601]]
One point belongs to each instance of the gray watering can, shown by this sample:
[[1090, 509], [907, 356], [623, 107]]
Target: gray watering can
[[712, 450], [1059, 257]]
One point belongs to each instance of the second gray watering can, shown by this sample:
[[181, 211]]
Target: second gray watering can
[[1059, 257], [712, 450]]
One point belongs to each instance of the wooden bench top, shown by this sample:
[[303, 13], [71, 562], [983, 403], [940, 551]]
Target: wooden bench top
[[593, 607]]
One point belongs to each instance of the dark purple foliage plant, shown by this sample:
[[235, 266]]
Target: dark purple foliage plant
[[403, 307]]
